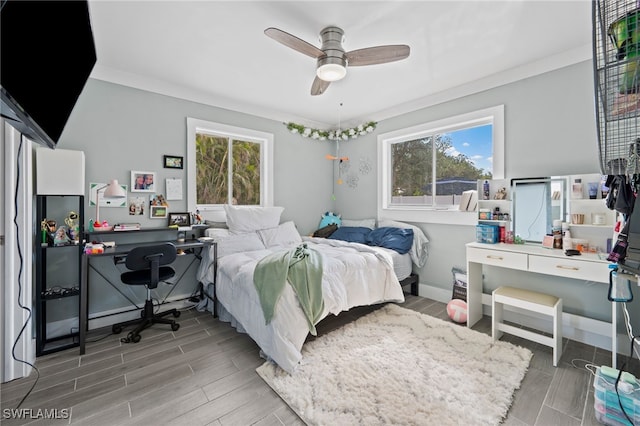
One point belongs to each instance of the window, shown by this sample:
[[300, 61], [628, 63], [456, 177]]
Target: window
[[228, 165], [425, 168]]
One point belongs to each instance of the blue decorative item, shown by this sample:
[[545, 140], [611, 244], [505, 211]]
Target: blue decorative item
[[328, 218]]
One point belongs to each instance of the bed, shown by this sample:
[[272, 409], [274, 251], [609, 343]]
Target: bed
[[353, 274]]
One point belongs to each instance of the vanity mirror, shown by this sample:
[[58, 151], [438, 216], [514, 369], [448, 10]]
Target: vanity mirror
[[535, 204]]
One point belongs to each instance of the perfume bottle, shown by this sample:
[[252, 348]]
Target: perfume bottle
[[576, 189], [485, 190]]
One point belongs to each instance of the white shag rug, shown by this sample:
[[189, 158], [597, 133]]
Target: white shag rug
[[398, 366]]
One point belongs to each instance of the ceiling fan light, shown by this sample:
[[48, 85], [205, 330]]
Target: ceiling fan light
[[331, 72]]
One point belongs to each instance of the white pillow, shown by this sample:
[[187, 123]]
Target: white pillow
[[239, 243], [217, 233], [248, 218], [365, 223], [284, 235], [420, 247], [214, 224]]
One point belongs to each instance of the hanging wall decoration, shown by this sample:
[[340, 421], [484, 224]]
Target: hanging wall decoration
[[341, 163], [352, 180], [345, 167], [333, 135], [365, 165]]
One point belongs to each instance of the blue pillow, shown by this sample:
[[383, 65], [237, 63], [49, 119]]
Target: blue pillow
[[352, 234], [397, 239]]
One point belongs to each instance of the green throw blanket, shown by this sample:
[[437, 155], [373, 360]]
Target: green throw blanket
[[302, 267]]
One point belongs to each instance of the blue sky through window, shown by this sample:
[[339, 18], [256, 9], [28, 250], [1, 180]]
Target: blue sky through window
[[476, 143]]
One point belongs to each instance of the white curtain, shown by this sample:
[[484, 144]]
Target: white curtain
[[16, 257]]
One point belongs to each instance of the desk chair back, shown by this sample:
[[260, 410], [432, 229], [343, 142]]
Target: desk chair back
[[146, 268], [146, 265]]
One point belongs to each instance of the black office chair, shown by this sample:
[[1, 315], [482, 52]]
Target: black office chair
[[145, 264]]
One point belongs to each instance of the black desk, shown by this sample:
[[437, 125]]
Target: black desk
[[188, 246]]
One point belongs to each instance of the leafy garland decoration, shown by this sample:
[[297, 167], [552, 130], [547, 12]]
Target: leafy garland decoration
[[323, 135]]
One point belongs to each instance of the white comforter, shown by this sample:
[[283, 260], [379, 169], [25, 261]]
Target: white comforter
[[353, 275]]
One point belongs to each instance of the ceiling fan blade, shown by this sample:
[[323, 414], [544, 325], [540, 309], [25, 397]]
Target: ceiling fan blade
[[294, 42], [377, 55], [319, 86]]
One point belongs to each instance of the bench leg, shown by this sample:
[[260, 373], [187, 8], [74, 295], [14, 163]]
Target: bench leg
[[557, 333], [497, 310]]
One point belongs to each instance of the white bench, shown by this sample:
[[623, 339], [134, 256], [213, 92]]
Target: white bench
[[531, 301]]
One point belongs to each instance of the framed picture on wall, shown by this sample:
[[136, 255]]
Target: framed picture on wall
[[137, 206], [179, 219], [173, 162], [143, 181], [158, 212]]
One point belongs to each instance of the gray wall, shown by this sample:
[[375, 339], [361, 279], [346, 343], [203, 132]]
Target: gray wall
[[122, 129], [550, 130]]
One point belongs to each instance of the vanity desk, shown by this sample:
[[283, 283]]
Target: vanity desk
[[537, 259]]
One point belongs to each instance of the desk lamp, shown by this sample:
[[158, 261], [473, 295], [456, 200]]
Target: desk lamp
[[112, 191]]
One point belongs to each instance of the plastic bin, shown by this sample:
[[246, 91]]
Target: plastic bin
[[606, 405], [487, 233]]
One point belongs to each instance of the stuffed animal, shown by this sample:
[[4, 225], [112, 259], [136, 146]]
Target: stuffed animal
[[328, 218]]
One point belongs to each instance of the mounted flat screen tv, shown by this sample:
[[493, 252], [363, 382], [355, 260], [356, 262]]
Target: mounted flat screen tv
[[46, 55]]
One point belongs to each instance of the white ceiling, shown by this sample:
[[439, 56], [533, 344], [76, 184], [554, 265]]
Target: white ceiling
[[215, 52]]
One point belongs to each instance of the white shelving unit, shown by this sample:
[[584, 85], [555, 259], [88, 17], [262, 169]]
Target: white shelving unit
[[504, 205], [583, 204], [595, 233], [580, 203], [487, 208]]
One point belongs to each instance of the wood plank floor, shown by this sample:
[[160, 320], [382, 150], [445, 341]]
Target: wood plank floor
[[204, 374]]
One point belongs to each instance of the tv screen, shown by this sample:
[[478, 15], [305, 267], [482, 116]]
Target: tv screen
[[46, 55]]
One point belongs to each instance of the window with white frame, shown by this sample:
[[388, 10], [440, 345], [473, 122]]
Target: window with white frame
[[426, 168], [228, 165]]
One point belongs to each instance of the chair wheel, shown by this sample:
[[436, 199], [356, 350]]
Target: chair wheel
[[175, 326], [116, 329], [131, 338], [176, 314]]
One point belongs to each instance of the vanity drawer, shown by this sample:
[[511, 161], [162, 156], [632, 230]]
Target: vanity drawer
[[571, 268], [505, 259]]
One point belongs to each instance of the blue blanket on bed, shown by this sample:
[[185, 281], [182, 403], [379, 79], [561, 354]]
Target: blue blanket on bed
[[398, 239]]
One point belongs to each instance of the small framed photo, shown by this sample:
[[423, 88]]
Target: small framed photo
[[173, 162], [137, 206], [158, 212], [179, 219], [143, 181]]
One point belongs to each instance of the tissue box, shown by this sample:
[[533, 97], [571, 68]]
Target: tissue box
[[487, 233]]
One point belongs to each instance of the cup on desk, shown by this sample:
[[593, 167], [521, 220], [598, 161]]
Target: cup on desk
[[577, 218]]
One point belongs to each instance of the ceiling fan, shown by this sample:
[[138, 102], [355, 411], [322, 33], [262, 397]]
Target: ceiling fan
[[332, 60]]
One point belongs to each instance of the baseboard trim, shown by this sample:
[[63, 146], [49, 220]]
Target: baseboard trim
[[575, 327]]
